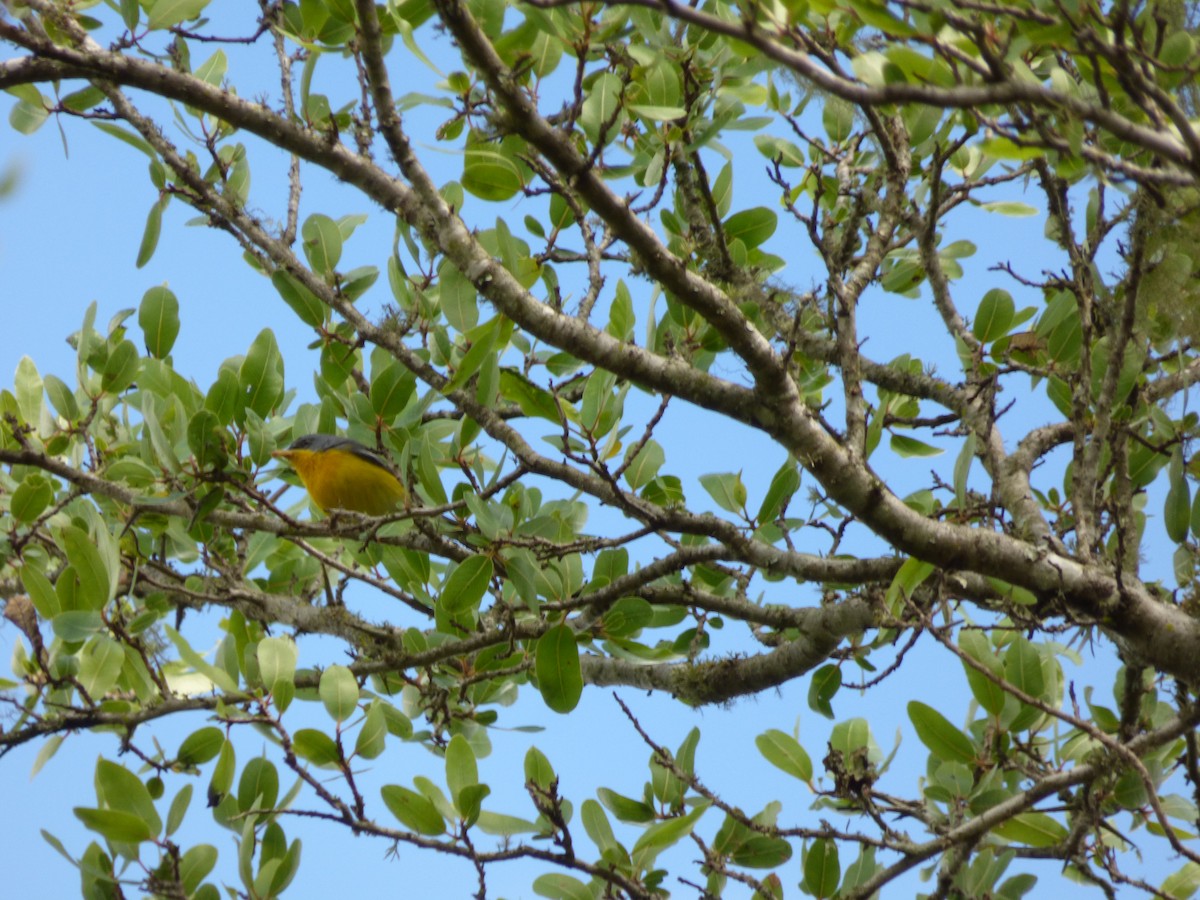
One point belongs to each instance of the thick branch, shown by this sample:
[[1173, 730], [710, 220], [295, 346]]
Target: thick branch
[[720, 681]]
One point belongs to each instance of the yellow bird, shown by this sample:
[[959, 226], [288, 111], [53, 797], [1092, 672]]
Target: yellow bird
[[339, 473]]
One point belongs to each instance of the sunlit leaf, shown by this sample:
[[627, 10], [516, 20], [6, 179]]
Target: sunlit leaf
[[165, 13], [415, 811], [784, 752], [339, 692]]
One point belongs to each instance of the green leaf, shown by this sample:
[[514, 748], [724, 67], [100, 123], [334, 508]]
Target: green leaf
[[1023, 667], [322, 243], [462, 771], [838, 118], [165, 13], [624, 808], [784, 752], [645, 465], [28, 387], [877, 16], [556, 663], [490, 174], [358, 281], [1060, 327], [277, 663], [317, 747], [219, 677], [76, 625], [158, 317], [1011, 208], [1177, 508], [943, 739], [62, 398], [1184, 883], [469, 802], [56, 843], [304, 303], [212, 70], [825, 683], [1005, 148], [621, 315], [458, 298], [727, 489], [989, 694], [114, 825], [537, 768], [905, 446], [910, 576], [415, 811], [751, 226], [372, 737], [222, 773], [41, 592], [258, 788], [467, 584], [994, 316], [610, 565], [206, 438], [100, 665], [31, 498], [601, 107], [598, 828], [1033, 828], [505, 826], [560, 886], [657, 113], [958, 250], [152, 230], [260, 375], [121, 368], [200, 746], [339, 692], [598, 399], [661, 835], [778, 149], [822, 870], [664, 490], [133, 140], [722, 189], [627, 616], [784, 484], [95, 584], [119, 789], [1130, 791], [761, 851], [962, 469], [223, 398], [392, 386], [178, 809], [195, 865], [26, 118]]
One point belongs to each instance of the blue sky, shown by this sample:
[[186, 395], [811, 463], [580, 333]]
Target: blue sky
[[69, 236]]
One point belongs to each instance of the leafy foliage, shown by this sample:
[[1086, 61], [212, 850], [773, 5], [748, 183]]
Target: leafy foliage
[[606, 256]]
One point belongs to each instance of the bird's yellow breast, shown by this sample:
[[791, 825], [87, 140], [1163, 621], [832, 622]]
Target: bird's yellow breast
[[336, 479]]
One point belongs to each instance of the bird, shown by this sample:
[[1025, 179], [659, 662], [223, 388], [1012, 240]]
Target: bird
[[342, 474]]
